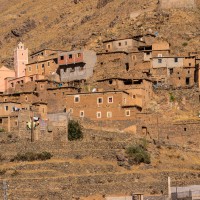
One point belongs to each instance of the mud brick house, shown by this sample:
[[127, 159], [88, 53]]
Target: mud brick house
[[174, 71], [42, 65], [128, 44], [140, 89], [76, 65], [107, 105], [5, 73]]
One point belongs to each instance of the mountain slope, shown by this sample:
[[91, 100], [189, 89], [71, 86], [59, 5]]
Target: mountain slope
[[85, 23]]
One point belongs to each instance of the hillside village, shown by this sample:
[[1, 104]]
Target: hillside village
[[129, 80], [114, 86]]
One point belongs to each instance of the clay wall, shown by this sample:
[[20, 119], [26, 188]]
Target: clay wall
[[101, 106]]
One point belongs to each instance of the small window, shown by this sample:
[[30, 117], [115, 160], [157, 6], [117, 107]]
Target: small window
[[29, 69], [26, 98], [98, 115], [37, 67], [70, 56], [134, 96], [185, 129], [110, 99], [190, 64], [82, 113], [187, 81], [127, 66], [128, 113], [31, 78], [5, 99], [76, 99], [61, 57], [188, 71], [133, 57], [159, 60], [6, 108], [100, 100], [109, 114], [120, 44], [109, 46], [48, 64], [16, 123], [42, 86], [171, 71], [1, 121], [79, 55], [71, 110], [126, 43], [42, 66], [175, 59], [12, 84]]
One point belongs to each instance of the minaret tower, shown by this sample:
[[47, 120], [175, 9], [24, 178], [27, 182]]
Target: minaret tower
[[20, 60]]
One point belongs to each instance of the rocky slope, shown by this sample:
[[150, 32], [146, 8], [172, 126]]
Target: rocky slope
[[85, 23]]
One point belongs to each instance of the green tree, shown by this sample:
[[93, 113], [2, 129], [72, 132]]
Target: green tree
[[74, 130]]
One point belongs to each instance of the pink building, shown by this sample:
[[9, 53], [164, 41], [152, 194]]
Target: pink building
[[5, 73], [20, 60]]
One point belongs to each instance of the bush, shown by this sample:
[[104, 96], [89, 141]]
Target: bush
[[74, 130], [184, 44], [172, 98], [2, 130], [138, 154], [30, 156]]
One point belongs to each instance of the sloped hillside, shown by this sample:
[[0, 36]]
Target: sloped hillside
[[68, 24]]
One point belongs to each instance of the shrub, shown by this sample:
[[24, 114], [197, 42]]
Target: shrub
[[30, 156], [74, 130], [172, 98], [2, 130], [184, 44], [138, 154]]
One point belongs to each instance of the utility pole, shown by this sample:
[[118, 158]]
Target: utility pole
[[5, 188], [32, 128]]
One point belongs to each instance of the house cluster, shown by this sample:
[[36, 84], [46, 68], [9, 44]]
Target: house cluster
[[112, 85]]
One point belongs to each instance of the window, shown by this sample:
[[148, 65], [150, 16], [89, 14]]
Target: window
[[190, 64], [127, 66], [48, 64], [187, 81], [188, 71], [5, 100], [82, 113], [29, 69], [1, 121], [171, 71], [31, 78], [79, 55], [185, 129], [12, 84], [100, 100], [159, 60], [175, 59], [42, 86], [109, 114], [16, 123], [76, 99], [6, 108], [134, 57], [70, 56], [71, 110], [42, 66], [98, 115], [134, 96], [109, 46], [110, 99], [36, 67], [127, 113], [26, 98], [120, 44], [148, 53], [61, 57], [126, 43]]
